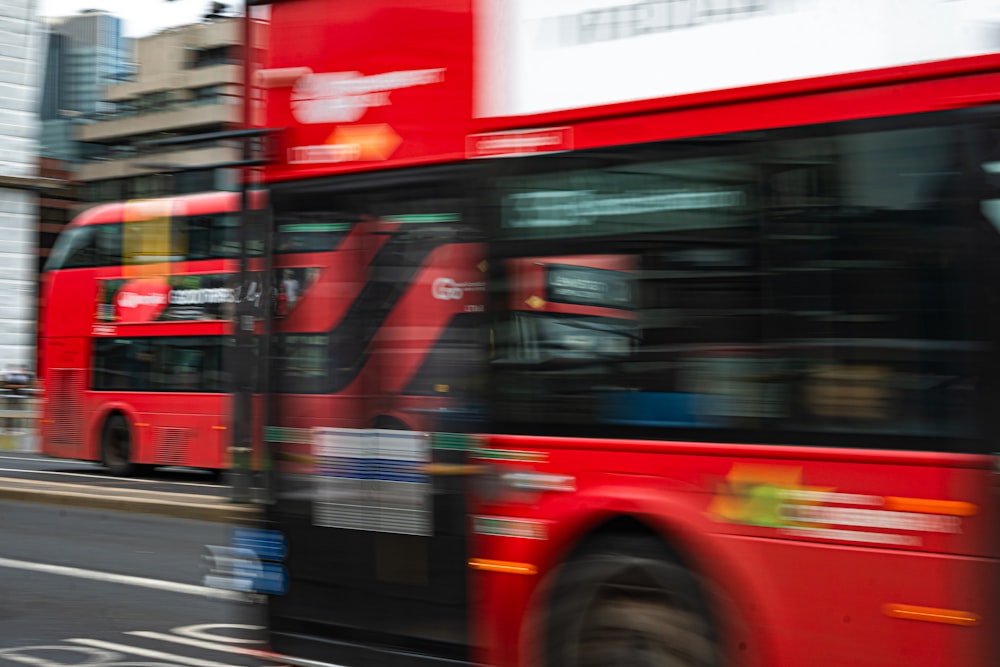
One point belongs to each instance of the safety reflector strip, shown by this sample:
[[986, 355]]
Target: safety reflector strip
[[931, 614]]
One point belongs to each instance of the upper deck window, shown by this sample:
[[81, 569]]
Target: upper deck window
[[88, 246], [182, 238]]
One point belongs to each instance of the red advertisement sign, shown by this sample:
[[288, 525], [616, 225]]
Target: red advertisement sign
[[139, 300], [374, 83]]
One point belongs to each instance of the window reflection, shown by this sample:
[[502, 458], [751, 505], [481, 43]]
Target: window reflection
[[162, 364], [816, 288]]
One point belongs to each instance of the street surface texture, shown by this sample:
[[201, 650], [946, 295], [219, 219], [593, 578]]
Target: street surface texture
[[87, 588]]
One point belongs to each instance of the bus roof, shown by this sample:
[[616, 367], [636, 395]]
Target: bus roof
[[204, 203]]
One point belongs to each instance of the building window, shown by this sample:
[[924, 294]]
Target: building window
[[196, 180], [207, 95], [160, 100], [152, 185], [107, 190], [216, 55], [125, 108]]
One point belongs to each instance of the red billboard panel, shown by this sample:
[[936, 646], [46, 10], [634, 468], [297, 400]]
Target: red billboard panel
[[363, 84]]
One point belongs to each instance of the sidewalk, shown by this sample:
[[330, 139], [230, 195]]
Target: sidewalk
[[161, 503], [18, 434], [18, 424]]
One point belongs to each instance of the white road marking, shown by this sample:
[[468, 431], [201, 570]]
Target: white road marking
[[197, 643], [95, 656], [131, 480], [202, 631], [128, 580], [148, 653]]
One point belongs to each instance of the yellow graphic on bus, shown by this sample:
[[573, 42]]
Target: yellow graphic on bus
[[756, 495], [149, 239]]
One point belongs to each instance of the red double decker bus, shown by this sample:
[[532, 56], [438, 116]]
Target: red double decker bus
[[694, 304], [136, 320], [136, 338]]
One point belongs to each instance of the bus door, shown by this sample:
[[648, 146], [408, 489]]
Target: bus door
[[375, 524]]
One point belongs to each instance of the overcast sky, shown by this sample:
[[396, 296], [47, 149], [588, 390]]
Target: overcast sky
[[142, 17]]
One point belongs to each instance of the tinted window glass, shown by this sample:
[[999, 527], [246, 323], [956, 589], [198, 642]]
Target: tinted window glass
[[816, 287], [188, 364], [310, 231], [108, 244], [88, 246], [211, 236], [74, 248], [167, 364], [874, 323], [301, 363], [122, 364]]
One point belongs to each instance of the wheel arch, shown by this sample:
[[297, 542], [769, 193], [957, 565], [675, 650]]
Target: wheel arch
[[625, 525], [684, 542], [390, 422], [102, 416]]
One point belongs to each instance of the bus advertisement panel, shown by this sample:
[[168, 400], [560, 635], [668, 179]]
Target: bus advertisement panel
[[707, 353], [393, 89]]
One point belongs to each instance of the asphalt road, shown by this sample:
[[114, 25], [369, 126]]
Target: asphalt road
[[89, 588]]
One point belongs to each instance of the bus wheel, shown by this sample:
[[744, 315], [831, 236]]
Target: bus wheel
[[623, 602], [116, 447], [390, 424]]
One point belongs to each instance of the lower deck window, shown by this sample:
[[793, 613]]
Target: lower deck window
[[161, 364]]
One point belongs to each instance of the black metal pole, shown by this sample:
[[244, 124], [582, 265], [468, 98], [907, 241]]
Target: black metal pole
[[244, 370]]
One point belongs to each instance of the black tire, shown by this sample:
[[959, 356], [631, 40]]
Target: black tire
[[116, 447], [622, 601]]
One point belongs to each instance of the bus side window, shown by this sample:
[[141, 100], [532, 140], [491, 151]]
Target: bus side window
[[211, 236], [198, 230], [226, 236], [986, 144], [122, 364], [108, 245]]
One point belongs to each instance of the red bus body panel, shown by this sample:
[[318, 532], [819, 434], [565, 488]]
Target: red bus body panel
[[346, 100], [781, 598]]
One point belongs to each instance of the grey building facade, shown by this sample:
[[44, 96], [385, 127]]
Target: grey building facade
[[19, 84], [187, 82]]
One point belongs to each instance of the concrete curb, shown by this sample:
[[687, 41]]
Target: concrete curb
[[183, 506]]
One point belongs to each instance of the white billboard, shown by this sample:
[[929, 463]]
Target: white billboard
[[536, 56]]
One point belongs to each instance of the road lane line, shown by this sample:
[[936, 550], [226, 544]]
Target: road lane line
[[23, 655], [197, 643], [203, 631], [126, 579], [148, 653]]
